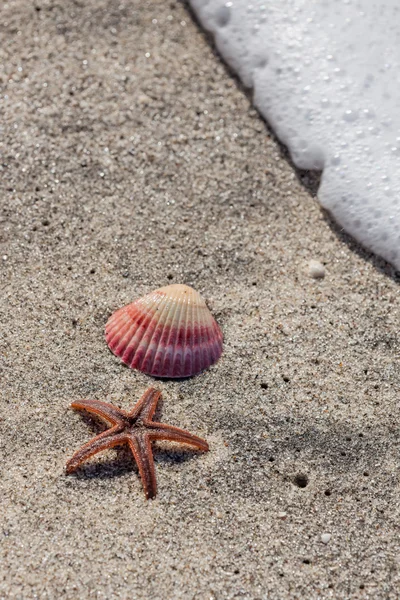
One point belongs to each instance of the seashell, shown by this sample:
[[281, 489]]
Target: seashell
[[167, 333]]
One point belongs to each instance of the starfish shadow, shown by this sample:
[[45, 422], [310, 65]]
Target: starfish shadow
[[108, 468]]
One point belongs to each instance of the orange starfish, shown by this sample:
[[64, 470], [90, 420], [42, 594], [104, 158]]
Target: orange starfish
[[135, 428]]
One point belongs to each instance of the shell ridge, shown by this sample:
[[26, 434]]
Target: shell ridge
[[195, 339], [202, 340], [150, 302], [174, 335], [170, 343], [118, 341], [187, 339], [180, 339], [188, 352], [115, 326], [130, 341], [158, 362], [155, 369], [127, 342], [120, 331], [160, 317]]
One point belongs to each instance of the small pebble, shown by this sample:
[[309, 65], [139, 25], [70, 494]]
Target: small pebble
[[325, 538], [316, 270], [282, 516]]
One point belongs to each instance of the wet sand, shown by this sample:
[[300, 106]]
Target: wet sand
[[131, 158]]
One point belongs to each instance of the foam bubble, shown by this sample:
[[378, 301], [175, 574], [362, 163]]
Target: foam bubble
[[326, 76]]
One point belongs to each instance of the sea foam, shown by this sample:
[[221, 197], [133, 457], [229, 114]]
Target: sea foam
[[326, 76]]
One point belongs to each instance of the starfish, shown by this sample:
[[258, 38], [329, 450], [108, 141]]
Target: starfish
[[135, 428]]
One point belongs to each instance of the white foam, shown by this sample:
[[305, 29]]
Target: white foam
[[326, 76]]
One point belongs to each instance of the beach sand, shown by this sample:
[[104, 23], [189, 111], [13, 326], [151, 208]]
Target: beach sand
[[132, 158]]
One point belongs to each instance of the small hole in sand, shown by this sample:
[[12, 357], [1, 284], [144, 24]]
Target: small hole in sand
[[301, 480]]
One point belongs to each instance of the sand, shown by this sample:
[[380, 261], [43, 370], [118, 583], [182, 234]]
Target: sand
[[131, 158]]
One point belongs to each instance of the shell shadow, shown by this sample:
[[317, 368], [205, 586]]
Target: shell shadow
[[176, 379]]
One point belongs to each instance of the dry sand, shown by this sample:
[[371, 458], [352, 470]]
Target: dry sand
[[131, 158]]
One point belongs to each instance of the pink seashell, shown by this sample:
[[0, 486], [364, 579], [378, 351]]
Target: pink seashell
[[167, 333]]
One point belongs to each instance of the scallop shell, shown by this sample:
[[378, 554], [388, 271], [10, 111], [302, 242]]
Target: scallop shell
[[167, 333]]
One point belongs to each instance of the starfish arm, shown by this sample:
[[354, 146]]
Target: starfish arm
[[108, 439], [141, 449], [106, 411], [161, 431], [147, 405]]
